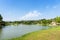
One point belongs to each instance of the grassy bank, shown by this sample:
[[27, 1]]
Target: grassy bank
[[50, 34]]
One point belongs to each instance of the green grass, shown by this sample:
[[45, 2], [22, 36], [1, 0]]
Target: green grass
[[50, 34]]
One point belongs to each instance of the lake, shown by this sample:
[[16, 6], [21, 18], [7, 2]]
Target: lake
[[9, 32]]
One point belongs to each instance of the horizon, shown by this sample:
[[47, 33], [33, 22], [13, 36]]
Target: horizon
[[17, 10]]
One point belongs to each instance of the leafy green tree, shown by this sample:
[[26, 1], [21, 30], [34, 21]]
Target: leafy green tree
[[44, 21], [0, 18], [57, 19]]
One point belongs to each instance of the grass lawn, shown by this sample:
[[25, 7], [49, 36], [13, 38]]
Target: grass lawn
[[50, 34]]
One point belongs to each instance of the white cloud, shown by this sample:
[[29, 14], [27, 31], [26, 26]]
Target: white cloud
[[31, 16]]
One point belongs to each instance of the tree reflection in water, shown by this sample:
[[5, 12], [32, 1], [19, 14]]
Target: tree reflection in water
[[0, 33], [1, 27]]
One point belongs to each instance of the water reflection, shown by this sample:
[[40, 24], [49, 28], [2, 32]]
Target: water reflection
[[0, 33], [16, 31], [1, 26]]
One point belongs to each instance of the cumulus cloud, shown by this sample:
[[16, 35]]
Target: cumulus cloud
[[31, 16]]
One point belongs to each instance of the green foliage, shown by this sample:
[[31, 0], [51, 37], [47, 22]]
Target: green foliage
[[45, 22], [57, 19], [1, 18]]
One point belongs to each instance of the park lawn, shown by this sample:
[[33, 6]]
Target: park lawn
[[50, 34]]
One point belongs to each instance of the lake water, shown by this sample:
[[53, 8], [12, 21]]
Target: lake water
[[9, 32]]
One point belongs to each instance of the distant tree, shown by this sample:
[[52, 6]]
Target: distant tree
[[57, 19], [49, 21], [44, 21]]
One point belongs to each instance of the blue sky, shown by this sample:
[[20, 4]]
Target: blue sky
[[12, 10]]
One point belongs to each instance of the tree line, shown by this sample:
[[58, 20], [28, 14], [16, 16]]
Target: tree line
[[41, 21]]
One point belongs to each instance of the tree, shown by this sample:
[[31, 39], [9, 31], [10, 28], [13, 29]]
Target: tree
[[57, 19], [44, 21], [0, 18]]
